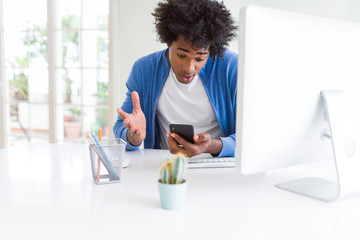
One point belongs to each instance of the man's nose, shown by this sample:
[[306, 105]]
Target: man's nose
[[189, 66]]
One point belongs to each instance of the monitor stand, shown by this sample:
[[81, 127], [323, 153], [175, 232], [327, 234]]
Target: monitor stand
[[346, 145]]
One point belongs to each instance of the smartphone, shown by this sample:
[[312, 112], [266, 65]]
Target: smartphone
[[186, 131]]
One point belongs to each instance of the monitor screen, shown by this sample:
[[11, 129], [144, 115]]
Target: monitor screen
[[286, 60]]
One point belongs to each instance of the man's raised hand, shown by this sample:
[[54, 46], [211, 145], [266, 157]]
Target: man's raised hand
[[135, 122]]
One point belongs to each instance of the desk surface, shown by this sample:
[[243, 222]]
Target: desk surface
[[47, 193]]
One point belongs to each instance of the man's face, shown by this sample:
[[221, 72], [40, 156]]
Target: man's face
[[186, 60]]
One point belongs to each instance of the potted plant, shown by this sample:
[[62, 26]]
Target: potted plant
[[172, 185]]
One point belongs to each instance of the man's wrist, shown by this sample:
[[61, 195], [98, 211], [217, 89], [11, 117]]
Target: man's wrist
[[215, 146], [131, 140]]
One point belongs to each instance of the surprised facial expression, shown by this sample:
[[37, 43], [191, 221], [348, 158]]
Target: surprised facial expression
[[186, 59]]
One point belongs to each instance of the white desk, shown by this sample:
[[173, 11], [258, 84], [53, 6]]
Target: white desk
[[46, 192]]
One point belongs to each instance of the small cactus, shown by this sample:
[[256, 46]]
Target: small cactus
[[172, 172]]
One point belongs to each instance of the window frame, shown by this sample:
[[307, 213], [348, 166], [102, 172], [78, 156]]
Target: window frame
[[3, 115]]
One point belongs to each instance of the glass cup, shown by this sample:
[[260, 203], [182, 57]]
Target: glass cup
[[107, 160]]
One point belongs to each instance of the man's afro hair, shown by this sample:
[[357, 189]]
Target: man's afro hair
[[203, 23]]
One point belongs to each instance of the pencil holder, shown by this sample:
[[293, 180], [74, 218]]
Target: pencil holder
[[107, 160]]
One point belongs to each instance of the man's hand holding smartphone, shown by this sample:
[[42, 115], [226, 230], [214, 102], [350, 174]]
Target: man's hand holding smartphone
[[185, 131], [182, 139]]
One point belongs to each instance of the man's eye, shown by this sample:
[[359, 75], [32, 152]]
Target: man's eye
[[180, 55], [199, 59]]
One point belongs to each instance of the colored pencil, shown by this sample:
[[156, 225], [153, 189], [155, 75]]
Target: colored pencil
[[98, 166]]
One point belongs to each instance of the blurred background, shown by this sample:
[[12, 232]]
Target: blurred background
[[64, 63]]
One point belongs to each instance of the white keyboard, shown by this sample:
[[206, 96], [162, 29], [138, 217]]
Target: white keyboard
[[211, 162]]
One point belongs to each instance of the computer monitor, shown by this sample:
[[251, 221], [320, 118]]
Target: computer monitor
[[295, 73]]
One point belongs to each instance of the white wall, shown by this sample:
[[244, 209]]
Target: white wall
[[339, 9], [138, 37]]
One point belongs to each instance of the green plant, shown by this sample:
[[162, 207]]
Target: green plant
[[75, 113], [173, 170], [35, 41], [19, 87]]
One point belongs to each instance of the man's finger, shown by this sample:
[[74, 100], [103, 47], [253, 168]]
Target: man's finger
[[136, 101], [202, 137], [173, 145], [122, 114], [179, 139]]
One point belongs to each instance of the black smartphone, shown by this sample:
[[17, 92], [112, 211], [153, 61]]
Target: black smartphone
[[186, 131]]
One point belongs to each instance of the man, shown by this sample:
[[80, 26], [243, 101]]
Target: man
[[194, 81]]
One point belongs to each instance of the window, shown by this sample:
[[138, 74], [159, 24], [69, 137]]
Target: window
[[56, 69], [26, 70]]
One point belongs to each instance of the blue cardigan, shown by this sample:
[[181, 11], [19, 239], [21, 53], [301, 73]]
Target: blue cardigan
[[148, 77]]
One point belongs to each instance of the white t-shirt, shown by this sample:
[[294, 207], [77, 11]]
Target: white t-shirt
[[185, 104]]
